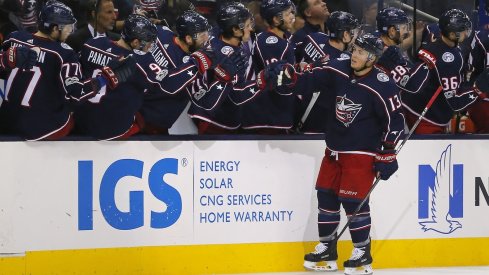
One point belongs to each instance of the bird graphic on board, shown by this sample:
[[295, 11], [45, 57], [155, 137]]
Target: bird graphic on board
[[441, 221]]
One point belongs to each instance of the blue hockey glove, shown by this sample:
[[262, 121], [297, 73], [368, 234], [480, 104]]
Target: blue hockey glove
[[19, 57], [117, 71], [385, 164], [391, 58], [267, 79]]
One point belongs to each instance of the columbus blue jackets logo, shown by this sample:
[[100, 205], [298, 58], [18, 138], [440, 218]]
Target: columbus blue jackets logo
[[440, 205], [346, 110]]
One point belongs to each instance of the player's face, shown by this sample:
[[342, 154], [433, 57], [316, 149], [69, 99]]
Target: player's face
[[200, 39], [106, 17], [145, 46], [249, 25], [289, 18], [65, 31], [318, 9], [404, 30], [360, 58]]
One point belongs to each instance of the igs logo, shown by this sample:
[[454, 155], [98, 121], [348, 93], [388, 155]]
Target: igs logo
[[440, 204], [134, 218]]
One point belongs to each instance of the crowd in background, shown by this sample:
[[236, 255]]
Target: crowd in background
[[107, 18]]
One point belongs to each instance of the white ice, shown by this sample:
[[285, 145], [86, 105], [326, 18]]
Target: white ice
[[466, 270]]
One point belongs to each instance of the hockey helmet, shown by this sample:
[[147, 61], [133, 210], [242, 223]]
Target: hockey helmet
[[454, 20], [138, 27], [191, 23], [271, 8], [231, 15], [340, 21], [55, 13], [390, 17], [371, 44]]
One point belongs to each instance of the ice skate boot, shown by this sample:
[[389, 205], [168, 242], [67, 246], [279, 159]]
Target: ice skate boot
[[360, 261], [326, 259]]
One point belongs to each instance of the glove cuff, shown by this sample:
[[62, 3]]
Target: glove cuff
[[203, 62]]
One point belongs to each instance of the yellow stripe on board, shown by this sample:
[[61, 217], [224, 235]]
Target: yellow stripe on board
[[241, 258]]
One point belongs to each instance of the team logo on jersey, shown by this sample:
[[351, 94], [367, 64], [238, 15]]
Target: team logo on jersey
[[162, 74], [271, 40], [66, 46], [440, 204], [227, 50], [346, 110], [382, 77], [185, 59], [448, 57]]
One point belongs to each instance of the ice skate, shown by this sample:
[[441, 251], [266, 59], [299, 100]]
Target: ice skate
[[321, 260], [360, 261]]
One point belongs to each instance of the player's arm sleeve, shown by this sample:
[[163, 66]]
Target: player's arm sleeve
[[244, 92], [412, 79], [206, 95], [314, 80], [477, 57], [388, 107], [76, 88], [168, 81]]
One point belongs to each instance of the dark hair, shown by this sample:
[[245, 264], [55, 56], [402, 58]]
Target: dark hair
[[302, 6]]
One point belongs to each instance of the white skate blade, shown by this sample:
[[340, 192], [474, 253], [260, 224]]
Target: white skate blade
[[363, 270], [329, 266]]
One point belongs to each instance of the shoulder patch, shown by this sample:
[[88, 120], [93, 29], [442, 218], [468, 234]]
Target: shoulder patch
[[185, 59], [227, 50], [344, 56], [448, 57], [271, 40], [382, 77], [66, 46]]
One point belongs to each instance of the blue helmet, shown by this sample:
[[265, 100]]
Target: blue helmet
[[454, 20], [231, 15], [371, 44], [138, 27], [340, 21], [390, 17], [191, 23], [271, 8], [55, 13]]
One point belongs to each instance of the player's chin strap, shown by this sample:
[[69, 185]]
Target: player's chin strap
[[377, 180]]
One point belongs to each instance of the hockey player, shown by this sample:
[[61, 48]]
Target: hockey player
[[236, 23], [363, 124], [315, 14], [319, 48], [478, 61], [171, 51], [442, 65], [393, 26], [17, 57], [99, 119], [271, 112], [38, 101]]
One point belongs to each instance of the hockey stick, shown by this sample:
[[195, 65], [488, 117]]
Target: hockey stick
[[314, 98], [377, 180]]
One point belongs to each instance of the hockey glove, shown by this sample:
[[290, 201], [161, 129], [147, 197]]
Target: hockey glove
[[240, 59], [117, 71], [19, 57], [428, 58], [385, 164], [267, 79], [391, 58], [287, 76], [482, 84]]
